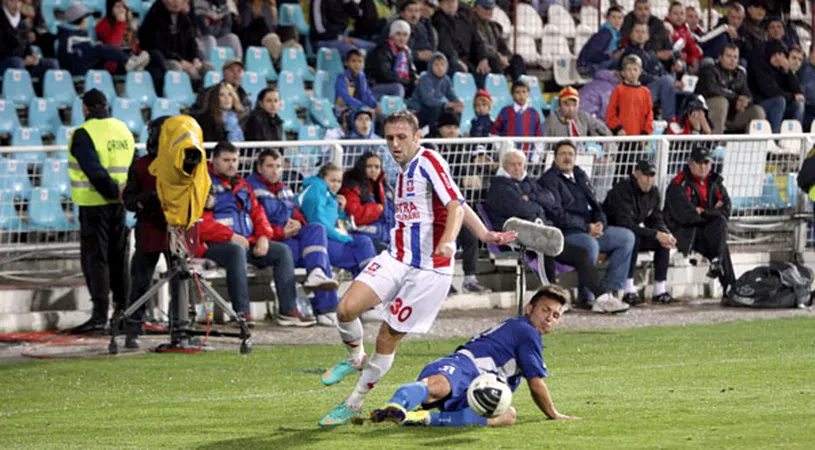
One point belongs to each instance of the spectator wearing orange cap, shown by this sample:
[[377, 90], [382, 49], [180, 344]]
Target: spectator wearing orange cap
[[481, 126], [569, 121]]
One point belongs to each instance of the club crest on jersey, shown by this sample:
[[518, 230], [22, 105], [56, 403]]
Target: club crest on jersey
[[410, 188]]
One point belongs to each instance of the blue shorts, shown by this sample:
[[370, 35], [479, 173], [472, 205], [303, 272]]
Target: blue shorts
[[460, 372]]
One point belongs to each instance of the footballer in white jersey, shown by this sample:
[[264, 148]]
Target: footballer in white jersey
[[412, 278]]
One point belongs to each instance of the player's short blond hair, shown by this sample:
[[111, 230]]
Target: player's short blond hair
[[403, 116]]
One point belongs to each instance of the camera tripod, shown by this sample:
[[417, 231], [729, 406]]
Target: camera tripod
[[181, 309]]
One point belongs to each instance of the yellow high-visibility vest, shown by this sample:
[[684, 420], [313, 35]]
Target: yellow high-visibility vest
[[114, 146]]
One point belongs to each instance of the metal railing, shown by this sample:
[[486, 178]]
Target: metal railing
[[39, 221]]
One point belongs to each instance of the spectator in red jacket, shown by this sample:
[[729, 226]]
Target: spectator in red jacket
[[678, 28], [114, 29], [236, 231], [369, 199]]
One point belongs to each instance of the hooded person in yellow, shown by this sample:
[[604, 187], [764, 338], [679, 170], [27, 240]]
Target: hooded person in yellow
[[182, 180]]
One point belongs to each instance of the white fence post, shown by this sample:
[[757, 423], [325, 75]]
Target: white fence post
[[661, 161]]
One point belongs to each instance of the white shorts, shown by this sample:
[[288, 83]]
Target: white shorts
[[412, 297]]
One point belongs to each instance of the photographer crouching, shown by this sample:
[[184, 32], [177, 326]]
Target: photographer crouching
[[100, 152]]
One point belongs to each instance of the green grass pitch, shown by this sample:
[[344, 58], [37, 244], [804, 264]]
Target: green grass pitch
[[733, 385]]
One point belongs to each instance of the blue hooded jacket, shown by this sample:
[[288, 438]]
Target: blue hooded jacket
[[320, 205], [432, 91], [599, 47]]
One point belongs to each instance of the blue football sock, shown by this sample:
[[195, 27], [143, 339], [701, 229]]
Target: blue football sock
[[460, 418], [410, 395]]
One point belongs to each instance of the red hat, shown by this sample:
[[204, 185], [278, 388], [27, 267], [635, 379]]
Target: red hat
[[569, 93], [483, 93]]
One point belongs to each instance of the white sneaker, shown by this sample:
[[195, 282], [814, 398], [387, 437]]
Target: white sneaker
[[317, 280], [608, 303], [327, 319], [137, 62]]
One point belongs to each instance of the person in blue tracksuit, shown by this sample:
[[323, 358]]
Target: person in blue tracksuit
[[320, 204], [307, 241]]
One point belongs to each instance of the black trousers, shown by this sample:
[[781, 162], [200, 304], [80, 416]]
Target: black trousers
[[469, 250], [104, 254], [710, 240], [662, 257], [578, 258], [142, 268]]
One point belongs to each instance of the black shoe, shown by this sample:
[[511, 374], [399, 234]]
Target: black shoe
[[715, 270], [94, 326], [632, 298], [664, 299], [132, 341], [582, 304], [452, 291]]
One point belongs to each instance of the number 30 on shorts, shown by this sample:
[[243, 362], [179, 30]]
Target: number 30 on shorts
[[402, 314]]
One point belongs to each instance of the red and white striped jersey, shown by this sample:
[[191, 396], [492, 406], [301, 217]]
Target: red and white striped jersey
[[423, 190]]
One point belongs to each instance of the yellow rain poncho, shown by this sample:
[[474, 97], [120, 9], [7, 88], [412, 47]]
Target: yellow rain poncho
[[182, 194]]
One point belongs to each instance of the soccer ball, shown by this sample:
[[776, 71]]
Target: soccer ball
[[489, 396]]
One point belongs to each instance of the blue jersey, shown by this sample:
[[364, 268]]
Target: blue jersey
[[512, 349]]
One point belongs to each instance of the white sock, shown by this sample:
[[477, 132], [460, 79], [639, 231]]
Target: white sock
[[375, 368], [351, 335], [660, 287], [629, 286], [470, 279]]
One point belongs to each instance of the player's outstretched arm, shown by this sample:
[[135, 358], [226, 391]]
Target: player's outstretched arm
[[474, 223], [540, 393], [455, 216]]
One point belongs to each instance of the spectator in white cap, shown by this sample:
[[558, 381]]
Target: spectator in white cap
[[389, 66]]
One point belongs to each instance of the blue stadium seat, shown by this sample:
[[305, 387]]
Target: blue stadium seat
[[28, 137], [135, 7], [321, 113], [178, 88], [9, 218], [329, 59], [139, 88], [324, 85], [77, 117], [63, 136], [288, 114], [211, 78], [14, 177], [164, 107], [55, 176], [130, 219], [48, 8], [496, 85], [101, 80], [59, 87], [391, 103], [307, 157], [8, 117], [17, 87], [464, 86], [92, 28], [259, 61], [467, 117], [142, 140], [291, 15], [45, 211], [294, 60], [253, 84], [291, 89], [219, 55], [44, 116], [128, 112], [535, 94]]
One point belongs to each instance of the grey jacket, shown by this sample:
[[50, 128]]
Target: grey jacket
[[586, 125]]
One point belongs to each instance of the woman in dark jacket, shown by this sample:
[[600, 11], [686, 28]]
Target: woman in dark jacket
[[263, 123], [369, 199]]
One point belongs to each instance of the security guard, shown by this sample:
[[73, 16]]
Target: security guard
[[101, 151]]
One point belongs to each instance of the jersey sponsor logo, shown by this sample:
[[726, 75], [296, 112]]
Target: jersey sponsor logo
[[446, 180], [407, 211]]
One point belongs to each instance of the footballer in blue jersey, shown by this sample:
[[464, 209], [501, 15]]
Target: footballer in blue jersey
[[512, 350]]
